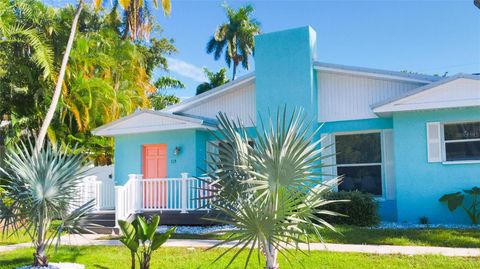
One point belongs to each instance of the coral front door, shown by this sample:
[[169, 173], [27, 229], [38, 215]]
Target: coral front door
[[154, 165]]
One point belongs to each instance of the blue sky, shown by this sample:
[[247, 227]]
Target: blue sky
[[430, 37]]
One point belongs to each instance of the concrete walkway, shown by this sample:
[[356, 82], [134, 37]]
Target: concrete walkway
[[83, 240]]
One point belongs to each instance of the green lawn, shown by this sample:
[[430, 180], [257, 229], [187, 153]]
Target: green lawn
[[356, 235], [402, 237], [118, 257], [19, 237]]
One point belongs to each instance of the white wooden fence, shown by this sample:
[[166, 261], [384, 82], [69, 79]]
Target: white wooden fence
[[161, 194]]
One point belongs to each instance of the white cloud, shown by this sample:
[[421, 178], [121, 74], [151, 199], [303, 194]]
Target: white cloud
[[186, 69]]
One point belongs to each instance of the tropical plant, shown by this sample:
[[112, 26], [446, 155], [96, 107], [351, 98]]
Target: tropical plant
[[137, 18], [235, 37], [142, 239], [214, 80], [269, 189], [160, 99], [41, 186], [457, 200], [133, 7], [11, 31], [106, 78]]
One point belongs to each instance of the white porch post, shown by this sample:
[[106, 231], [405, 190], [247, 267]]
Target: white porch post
[[138, 193], [118, 204], [98, 195], [184, 192]]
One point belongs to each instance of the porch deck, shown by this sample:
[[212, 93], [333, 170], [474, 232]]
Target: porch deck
[[178, 201]]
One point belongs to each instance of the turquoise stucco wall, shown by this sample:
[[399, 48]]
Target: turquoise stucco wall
[[387, 208], [284, 72], [420, 184], [201, 138], [128, 152]]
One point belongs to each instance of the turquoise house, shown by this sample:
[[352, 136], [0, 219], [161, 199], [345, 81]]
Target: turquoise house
[[405, 138]]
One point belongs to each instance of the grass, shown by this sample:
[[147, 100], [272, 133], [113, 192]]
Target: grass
[[15, 238], [104, 257], [468, 238]]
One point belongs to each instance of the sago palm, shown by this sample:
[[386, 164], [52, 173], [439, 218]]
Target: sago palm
[[39, 187], [270, 190], [235, 37]]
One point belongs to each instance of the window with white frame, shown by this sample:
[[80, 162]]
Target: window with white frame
[[461, 141], [359, 160], [221, 150]]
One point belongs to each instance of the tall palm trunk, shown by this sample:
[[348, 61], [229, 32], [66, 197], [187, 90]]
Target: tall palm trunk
[[58, 87], [234, 70]]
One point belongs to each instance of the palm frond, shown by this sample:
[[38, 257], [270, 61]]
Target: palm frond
[[43, 52]]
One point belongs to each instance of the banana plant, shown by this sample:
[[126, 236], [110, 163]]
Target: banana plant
[[142, 239], [457, 200]]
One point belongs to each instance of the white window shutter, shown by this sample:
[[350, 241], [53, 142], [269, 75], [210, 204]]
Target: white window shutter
[[388, 164], [328, 143], [434, 142]]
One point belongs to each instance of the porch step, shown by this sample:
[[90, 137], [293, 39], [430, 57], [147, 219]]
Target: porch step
[[101, 223]]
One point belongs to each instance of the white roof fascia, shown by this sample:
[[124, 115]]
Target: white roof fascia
[[208, 95], [187, 123]]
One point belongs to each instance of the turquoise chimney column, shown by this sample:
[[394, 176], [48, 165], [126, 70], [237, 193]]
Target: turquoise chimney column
[[284, 72]]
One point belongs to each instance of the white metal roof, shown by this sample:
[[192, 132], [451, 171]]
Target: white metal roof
[[364, 71]]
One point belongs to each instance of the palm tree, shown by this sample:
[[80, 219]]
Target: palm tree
[[236, 37], [12, 32], [269, 190], [39, 187], [126, 4], [137, 18], [214, 80]]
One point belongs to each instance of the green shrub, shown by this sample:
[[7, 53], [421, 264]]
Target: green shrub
[[360, 211]]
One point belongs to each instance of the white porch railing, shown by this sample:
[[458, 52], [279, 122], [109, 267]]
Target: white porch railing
[[160, 194], [98, 187]]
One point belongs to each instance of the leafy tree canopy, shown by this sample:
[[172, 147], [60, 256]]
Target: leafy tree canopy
[[214, 80], [107, 76]]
